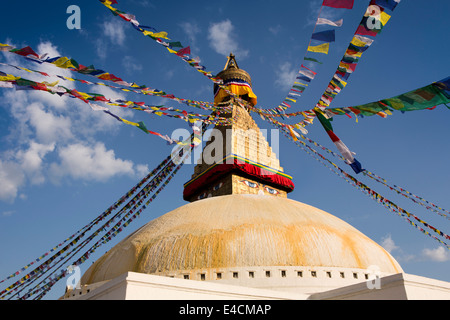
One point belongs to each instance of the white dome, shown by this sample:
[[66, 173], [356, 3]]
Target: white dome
[[238, 232]]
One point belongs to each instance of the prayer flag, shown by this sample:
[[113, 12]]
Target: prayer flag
[[27, 51], [337, 23], [184, 51], [322, 48], [308, 73], [342, 4], [375, 12], [343, 149], [388, 4], [304, 78], [361, 41], [327, 36], [364, 31], [312, 59]]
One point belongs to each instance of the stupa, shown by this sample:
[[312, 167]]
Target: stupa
[[239, 231]]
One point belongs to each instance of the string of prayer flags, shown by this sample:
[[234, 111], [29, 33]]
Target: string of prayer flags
[[401, 191], [133, 88], [374, 195], [77, 236], [416, 199], [135, 207], [376, 17], [427, 97], [358, 45], [25, 84], [325, 36], [183, 53], [157, 36], [340, 4], [343, 149]]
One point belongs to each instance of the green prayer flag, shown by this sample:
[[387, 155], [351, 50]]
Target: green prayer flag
[[312, 59], [176, 44], [142, 127]]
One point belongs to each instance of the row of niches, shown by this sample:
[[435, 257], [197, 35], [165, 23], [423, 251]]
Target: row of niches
[[276, 272]]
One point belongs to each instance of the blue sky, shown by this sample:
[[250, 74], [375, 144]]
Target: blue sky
[[63, 164]]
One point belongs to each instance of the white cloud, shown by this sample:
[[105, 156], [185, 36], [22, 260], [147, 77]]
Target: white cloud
[[275, 30], [16, 168], [84, 162], [285, 76], [114, 31], [7, 213], [52, 137], [439, 254], [47, 125], [191, 30], [131, 65], [388, 244], [12, 178], [31, 160], [315, 7], [221, 36]]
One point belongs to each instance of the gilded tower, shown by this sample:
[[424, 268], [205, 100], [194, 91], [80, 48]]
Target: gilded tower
[[237, 159]]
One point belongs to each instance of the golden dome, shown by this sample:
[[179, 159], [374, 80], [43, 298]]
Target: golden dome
[[241, 230], [232, 71]]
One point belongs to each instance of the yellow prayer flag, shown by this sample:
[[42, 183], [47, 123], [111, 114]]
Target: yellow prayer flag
[[293, 135], [359, 43], [170, 50], [63, 62], [50, 84], [5, 47], [323, 103], [161, 34], [84, 95], [8, 77], [344, 65], [352, 53], [129, 122], [321, 48], [395, 103], [384, 18]]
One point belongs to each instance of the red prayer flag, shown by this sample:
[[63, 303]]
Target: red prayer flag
[[343, 4], [183, 51], [363, 31], [27, 51]]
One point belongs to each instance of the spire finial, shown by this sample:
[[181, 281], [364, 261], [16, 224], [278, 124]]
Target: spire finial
[[231, 62]]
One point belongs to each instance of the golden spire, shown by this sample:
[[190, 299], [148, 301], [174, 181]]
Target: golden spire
[[237, 159]]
